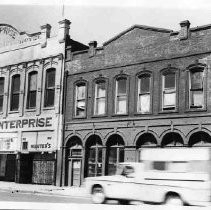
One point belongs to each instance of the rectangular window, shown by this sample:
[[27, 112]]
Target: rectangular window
[[32, 90], [169, 91], [1, 93], [100, 98], [80, 100], [50, 87], [159, 165], [15, 92], [196, 89], [121, 96], [144, 94]]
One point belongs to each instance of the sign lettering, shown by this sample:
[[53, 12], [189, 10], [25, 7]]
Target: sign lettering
[[26, 123], [10, 36]]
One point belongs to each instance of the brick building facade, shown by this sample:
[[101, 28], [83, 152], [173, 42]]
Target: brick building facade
[[31, 95], [146, 87]]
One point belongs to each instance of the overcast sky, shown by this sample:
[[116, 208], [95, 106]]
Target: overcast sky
[[100, 20]]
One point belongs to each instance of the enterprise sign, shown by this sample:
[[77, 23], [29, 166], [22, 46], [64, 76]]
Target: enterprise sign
[[26, 123]]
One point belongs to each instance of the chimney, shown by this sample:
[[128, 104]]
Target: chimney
[[64, 26], [92, 47], [45, 34], [184, 30]]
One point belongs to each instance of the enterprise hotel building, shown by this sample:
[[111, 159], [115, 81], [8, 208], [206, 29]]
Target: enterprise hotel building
[[31, 91]]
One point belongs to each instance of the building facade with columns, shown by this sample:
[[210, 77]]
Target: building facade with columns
[[31, 95], [145, 87]]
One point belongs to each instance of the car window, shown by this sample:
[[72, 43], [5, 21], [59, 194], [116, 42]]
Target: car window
[[127, 170]]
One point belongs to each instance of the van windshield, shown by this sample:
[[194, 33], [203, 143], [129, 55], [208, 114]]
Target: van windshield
[[124, 170]]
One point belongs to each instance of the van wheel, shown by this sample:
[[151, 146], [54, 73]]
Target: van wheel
[[174, 200], [98, 195], [124, 202]]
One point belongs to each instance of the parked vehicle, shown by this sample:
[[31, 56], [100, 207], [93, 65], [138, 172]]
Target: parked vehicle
[[172, 176]]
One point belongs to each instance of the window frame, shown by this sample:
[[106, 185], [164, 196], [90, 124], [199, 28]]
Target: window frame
[[118, 148], [16, 92], [2, 95], [76, 84], [28, 89], [49, 88], [117, 78], [163, 73], [203, 68], [168, 91], [137, 92], [95, 82]]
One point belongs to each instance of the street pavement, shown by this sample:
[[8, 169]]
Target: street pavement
[[73, 206], [44, 189], [72, 192]]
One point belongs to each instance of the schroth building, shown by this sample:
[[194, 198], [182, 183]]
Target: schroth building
[[31, 95], [145, 87]]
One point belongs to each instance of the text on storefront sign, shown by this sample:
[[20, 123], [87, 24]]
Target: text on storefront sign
[[26, 123]]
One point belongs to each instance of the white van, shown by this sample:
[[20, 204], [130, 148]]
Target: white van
[[179, 176]]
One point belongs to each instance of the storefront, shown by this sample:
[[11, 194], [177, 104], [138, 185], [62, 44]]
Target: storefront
[[8, 149], [28, 153]]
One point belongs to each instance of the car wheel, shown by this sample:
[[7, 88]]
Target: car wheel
[[174, 200], [124, 202], [98, 195]]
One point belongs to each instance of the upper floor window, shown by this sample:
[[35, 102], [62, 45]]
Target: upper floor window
[[50, 87], [1, 93], [169, 91], [144, 98], [32, 90], [15, 93], [100, 98], [196, 88], [80, 100], [121, 96]]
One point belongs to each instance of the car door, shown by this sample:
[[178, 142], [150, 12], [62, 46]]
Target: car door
[[123, 185]]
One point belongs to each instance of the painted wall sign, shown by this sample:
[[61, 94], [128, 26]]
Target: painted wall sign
[[29, 123], [10, 36], [39, 141], [8, 144]]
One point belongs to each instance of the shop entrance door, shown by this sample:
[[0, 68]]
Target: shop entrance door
[[74, 178]]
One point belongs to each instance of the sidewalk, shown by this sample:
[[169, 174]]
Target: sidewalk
[[44, 189]]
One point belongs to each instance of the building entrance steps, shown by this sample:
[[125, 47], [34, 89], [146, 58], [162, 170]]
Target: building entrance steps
[[44, 189]]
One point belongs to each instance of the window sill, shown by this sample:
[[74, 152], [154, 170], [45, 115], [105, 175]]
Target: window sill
[[79, 117], [13, 112], [30, 110], [168, 111], [142, 113], [119, 115], [196, 110], [99, 116], [48, 108]]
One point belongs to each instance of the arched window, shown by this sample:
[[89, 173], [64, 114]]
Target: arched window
[[100, 98], [32, 90], [50, 87], [169, 90], [94, 155], [80, 99], [196, 87], [144, 95], [114, 153], [121, 96], [15, 93], [1, 93]]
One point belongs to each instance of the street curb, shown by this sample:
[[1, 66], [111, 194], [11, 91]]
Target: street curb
[[47, 192]]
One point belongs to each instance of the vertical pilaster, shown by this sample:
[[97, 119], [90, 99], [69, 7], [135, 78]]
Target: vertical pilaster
[[39, 87], [22, 90], [6, 92], [58, 83]]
